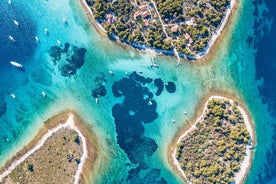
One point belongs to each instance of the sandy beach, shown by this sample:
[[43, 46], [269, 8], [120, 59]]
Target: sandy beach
[[206, 54], [39, 141], [245, 165]]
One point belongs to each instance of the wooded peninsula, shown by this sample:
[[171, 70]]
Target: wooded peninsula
[[182, 27]]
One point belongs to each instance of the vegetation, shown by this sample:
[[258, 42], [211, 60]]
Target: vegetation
[[214, 150], [56, 161], [189, 23]]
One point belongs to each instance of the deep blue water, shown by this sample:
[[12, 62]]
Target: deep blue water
[[21, 50], [25, 44], [265, 44]]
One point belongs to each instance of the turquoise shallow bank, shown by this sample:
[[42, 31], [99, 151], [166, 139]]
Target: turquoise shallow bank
[[138, 155]]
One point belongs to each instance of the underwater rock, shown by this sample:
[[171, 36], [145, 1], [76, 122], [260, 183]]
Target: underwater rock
[[55, 52], [137, 108], [67, 70], [170, 87], [99, 91], [77, 58], [69, 58], [160, 86], [3, 107]]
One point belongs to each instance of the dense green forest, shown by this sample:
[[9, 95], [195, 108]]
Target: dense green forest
[[214, 150]]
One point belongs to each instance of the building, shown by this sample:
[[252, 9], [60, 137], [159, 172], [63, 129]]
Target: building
[[143, 7], [174, 29], [136, 14], [145, 14], [146, 23]]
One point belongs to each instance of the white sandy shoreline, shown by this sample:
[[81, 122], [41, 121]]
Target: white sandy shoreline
[[198, 56], [246, 163], [217, 34], [92, 16], [69, 123]]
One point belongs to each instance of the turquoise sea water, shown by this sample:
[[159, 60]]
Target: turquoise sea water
[[133, 143]]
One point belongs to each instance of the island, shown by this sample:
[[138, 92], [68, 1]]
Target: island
[[217, 147], [63, 151], [182, 28]]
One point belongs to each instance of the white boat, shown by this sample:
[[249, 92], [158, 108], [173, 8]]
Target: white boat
[[172, 120], [36, 39], [150, 103], [154, 65], [64, 20], [18, 65], [9, 1], [110, 72], [15, 22], [97, 100], [43, 94], [70, 71], [126, 73], [13, 95], [11, 38], [46, 31], [185, 113], [58, 42]]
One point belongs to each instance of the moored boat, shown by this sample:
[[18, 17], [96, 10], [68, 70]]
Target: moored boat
[[18, 65]]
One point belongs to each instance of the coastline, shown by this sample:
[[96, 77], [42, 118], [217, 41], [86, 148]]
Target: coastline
[[91, 18], [246, 164], [205, 55], [65, 119]]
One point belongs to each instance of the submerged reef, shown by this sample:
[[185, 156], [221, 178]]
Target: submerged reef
[[3, 107], [99, 89], [160, 86], [68, 58], [170, 87], [137, 109]]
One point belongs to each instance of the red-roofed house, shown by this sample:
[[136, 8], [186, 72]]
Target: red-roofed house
[[187, 36], [146, 23], [143, 7], [110, 18], [145, 14], [174, 29], [136, 14]]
